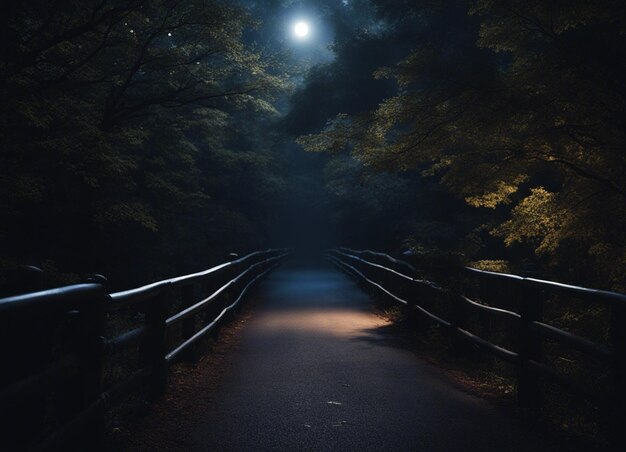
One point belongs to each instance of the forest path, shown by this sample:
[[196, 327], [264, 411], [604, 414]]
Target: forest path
[[315, 371]]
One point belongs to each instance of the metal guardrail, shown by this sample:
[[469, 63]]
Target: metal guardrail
[[527, 327], [73, 370]]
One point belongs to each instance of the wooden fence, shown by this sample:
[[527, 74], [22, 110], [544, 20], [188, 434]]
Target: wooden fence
[[525, 300], [54, 346]]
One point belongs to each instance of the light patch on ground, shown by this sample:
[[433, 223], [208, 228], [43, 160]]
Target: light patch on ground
[[333, 322]]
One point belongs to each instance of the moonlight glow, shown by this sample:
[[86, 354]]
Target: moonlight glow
[[301, 29]]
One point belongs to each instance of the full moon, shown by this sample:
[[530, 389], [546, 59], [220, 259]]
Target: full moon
[[301, 29]]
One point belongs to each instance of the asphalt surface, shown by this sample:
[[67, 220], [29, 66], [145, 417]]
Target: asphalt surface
[[314, 371]]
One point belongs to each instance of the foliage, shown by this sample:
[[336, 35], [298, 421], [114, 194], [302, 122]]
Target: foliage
[[115, 118], [499, 266], [515, 107]]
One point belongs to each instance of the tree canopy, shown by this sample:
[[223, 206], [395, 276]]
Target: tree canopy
[[145, 138], [118, 120], [516, 107]]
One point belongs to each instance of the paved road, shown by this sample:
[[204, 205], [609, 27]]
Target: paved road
[[314, 372]]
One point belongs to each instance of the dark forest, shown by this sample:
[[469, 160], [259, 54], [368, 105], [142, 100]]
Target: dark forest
[[145, 139], [141, 140]]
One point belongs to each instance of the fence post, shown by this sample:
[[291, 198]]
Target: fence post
[[416, 295], [91, 350], [152, 349], [458, 320], [22, 423], [488, 293], [216, 307], [458, 314], [617, 411], [412, 296], [188, 326], [531, 300]]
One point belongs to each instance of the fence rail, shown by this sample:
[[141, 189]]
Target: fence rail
[[55, 345], [526, 327]]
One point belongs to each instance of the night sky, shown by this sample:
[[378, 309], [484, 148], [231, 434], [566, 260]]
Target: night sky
[[331, 73]]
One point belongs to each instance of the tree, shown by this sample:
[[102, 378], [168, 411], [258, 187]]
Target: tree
[[520, 108], [108, 110]]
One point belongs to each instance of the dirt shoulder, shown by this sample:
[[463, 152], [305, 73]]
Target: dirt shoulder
[[166, 424], [571, 428]]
